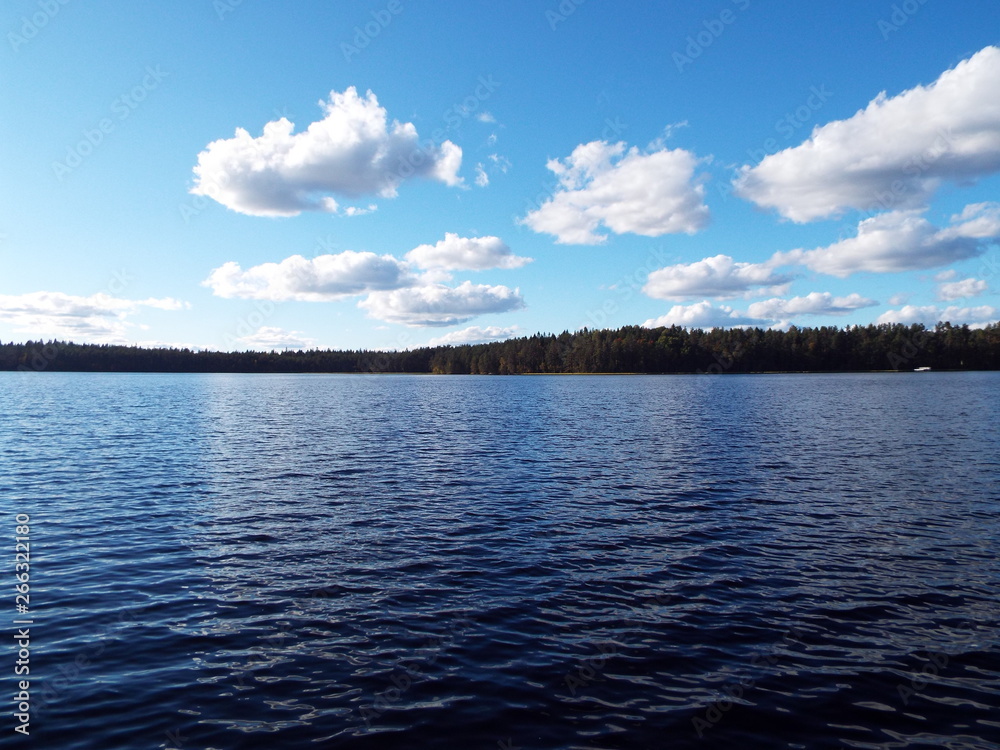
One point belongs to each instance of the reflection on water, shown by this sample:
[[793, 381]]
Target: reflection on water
[[551, 562]]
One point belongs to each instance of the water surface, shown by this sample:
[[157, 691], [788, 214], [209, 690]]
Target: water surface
[[780, 561]]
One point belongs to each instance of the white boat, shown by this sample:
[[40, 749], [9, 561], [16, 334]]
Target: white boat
[[921, 369]]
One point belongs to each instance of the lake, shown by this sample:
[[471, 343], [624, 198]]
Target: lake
[[246, 561]]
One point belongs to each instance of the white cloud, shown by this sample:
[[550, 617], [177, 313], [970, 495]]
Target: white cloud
[[894, 153], [324, 278], [482, 179], [718, 276], [978, 220], [99, 318], [456, 253], [961, 289], [703, 315], [269, 338], [486, 117], [772, 313], [903, 241], [814, 303], [899, 299], [440, 305], [353, 151], [601, 184], [975, 317], [500, 163], [358, 211], [475, 335]]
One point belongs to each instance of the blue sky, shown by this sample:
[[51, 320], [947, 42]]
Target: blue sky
[[516, 167]]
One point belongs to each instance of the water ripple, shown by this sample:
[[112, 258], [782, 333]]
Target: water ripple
[[389, 562]]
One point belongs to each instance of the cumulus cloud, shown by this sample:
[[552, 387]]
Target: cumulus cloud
[[482, 179], [456, 253], [395, 294], [978, 220], [703, 315], [269, 338], [359, 211], [351, 152], [892, 154], [99, 318], [719, 276], [974, 317], [475, 335], [324, 278], [814, 303], [772, 313], [440, 305], [961, 289], [648, 193], [903, 241]]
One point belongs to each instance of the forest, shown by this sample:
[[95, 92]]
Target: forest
[[631, 349]]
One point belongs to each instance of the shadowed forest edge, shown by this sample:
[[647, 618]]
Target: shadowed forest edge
[[631, 349]]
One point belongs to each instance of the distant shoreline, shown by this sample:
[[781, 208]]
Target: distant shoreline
[[631, 350], [518, 374]]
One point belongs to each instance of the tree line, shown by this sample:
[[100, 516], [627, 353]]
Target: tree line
[[631, 349]]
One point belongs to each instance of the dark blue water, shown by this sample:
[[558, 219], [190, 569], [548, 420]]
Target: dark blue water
[[219, 561]]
